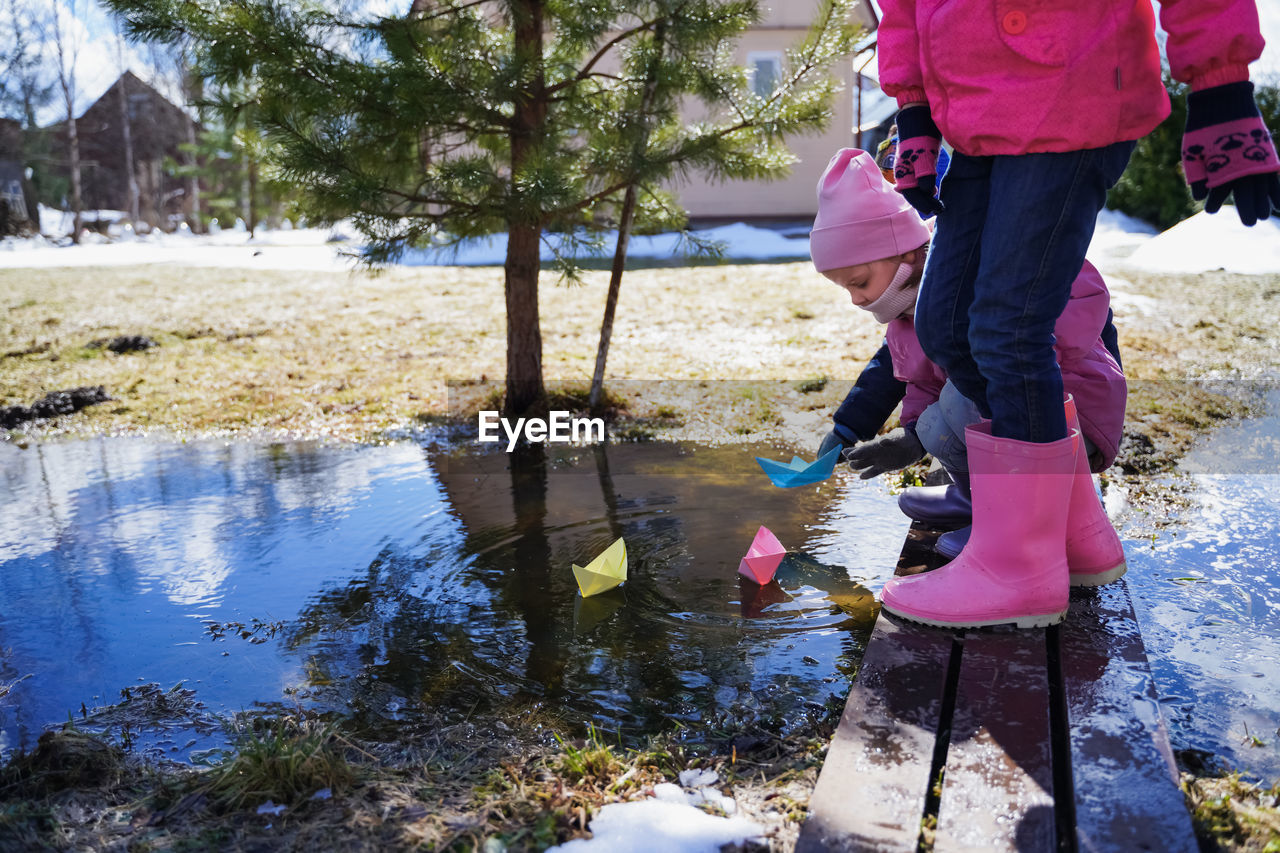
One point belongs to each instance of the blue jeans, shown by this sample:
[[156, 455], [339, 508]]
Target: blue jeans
[[1004, 255]]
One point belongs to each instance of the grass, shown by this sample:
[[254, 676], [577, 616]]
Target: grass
[[592, 762], [765, 352], [444, 788], [1231, 814], [282, 761], [353, 356]]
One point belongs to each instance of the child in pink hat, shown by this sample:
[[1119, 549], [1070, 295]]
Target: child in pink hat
[[867, 239], [1042, 104]]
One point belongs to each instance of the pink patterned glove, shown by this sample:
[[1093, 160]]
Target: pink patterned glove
[[915, 170], [1227, 150]]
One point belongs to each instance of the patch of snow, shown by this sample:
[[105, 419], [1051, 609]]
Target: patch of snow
[[1124, 301], [695, 778], [1211, 242], [660, 824], [1198, 244], [740, 242], [317, 249], [94, 250], [1116, 236], [57, 223], [669, 792]]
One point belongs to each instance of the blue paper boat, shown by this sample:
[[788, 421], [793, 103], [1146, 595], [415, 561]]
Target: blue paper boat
[[797, 472]]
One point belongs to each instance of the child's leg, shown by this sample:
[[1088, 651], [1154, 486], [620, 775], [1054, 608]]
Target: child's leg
[[947, 505], [941, 428], [947, 289], [959, 412], [1039, 221]]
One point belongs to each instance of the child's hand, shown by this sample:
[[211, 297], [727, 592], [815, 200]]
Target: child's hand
[[1227, 150], [915, 170], [888, 452], [830, 440]]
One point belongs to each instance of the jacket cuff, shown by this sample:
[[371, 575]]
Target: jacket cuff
[[847, 435], [914, 96], [1220, 76]]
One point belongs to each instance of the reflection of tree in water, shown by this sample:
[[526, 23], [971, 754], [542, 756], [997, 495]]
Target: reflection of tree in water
[[497, 623], [110, 545]]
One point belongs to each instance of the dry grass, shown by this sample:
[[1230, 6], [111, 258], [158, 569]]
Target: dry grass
[[1232, 815], [454, 790], [355, 355]]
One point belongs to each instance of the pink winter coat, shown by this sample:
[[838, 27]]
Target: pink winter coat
[[1027, 76], [1089, 373]]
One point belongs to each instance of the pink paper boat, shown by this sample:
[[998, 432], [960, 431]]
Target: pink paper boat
[[763, 557]]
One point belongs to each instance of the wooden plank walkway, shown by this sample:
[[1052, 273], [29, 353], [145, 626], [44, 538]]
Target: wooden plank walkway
[[997, 739]]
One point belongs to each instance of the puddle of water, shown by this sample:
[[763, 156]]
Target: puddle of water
[[1207, 593], [397, 585], [392, 584]]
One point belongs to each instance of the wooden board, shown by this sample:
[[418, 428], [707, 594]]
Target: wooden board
[[1004, 725], [1126, 794], [871, 791], [997, 791]]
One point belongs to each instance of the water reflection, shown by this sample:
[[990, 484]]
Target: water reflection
[[399, 583], [1207, 595], [671, 645]]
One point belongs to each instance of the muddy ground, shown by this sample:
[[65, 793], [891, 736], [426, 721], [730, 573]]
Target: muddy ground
[[369, 357]]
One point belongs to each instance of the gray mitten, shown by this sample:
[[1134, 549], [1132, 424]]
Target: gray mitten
[[889, 452]]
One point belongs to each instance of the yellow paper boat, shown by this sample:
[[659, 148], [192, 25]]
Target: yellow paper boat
[[604, 572]]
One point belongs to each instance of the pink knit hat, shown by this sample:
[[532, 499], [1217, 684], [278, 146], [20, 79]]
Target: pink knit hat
[[861, 217]]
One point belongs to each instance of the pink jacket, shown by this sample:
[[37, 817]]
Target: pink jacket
[[1089, 373], [1027, 76]]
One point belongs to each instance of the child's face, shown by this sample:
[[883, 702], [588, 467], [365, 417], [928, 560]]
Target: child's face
[[865, 282]]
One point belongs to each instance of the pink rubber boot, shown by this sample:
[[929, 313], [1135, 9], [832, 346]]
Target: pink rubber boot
[[1014, 567], [1094, 553]]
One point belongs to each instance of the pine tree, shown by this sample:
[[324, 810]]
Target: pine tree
[[466, 118]]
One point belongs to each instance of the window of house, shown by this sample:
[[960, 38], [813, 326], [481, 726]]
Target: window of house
[[766, 71], [137, 105]]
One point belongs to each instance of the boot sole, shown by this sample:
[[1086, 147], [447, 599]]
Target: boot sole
[[1043, 620], [1099, 578]]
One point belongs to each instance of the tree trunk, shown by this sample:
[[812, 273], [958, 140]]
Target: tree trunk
[[624, 223], [245, 203], [192, 93], [67, 81], [73, 153], [526, 394], [135, 212], [253, 196], [194, 219], [611, 301], [126, 130]]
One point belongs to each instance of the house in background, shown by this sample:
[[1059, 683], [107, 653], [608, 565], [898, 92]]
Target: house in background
[[13, 201], [762, 50], [157, 129], [17, 206], [874, 113]]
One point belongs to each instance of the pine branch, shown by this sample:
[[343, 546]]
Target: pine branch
[[585, 72]]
